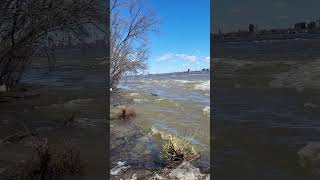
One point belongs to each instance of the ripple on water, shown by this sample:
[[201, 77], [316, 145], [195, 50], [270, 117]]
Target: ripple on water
[[140, 100]]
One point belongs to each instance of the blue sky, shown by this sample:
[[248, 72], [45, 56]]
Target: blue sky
[[183, 41]]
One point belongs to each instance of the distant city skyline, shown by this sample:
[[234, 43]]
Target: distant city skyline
[[231, 15], [315, 23]]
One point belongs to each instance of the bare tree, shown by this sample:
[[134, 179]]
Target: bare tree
[[26, 25], [130, 26]]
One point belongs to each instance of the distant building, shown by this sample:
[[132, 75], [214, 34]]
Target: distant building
[[300, 26], [312, 25], [318, 24], [251, 28]]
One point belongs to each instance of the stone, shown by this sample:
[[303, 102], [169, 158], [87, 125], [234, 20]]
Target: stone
[[310, 157]]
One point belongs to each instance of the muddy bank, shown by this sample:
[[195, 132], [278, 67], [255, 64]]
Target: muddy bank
[[135, 151]]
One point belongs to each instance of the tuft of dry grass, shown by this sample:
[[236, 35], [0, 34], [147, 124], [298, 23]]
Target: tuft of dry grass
[[176, 150], [126, 113], [50, 162]]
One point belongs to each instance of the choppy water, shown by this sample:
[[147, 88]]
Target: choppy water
[[266, 108], [180, 104], [76, 86]]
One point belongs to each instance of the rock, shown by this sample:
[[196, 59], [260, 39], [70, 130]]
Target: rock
[[311, 105], [3, 88], [2, 170], [120, 167], [185, 171], [310, 157]]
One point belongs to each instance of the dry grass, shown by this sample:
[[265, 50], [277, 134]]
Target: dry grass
[[50, 162], [176, 150], [126, 113]]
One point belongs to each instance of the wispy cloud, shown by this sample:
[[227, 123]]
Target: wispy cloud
[[181, 57]]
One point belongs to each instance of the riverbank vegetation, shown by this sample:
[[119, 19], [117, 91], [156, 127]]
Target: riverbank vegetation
[[177, 149], [126, 113], [50, 161], [26, 26]]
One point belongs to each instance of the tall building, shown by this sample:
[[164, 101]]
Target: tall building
[[300, 26], [318, 24], [253, 28], [312, 25]]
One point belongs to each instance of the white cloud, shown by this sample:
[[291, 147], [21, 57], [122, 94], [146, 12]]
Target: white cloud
[[181, 57]]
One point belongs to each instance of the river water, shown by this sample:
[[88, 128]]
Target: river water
[[266, 105], [175, 104], [76, 86]]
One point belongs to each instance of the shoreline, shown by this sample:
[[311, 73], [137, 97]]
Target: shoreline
[[56, 115], [147, 164]]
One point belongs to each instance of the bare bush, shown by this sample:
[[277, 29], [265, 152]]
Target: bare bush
[[130, 26], [50, 162], [26, 25]]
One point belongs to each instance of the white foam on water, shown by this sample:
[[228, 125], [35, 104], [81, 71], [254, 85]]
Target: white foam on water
[[183, 81], [77, 102], [206, 109], [134, 94], [140, 100], [301, 77], [205, 86]]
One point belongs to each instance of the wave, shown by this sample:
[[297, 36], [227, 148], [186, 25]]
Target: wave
[[75, 103], [205, 86], [140, 100], [134, 94], [206, 110], [301, 77], [166, 102]]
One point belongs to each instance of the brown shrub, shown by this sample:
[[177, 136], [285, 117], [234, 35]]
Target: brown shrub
[[50, 162], [126, 113]]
